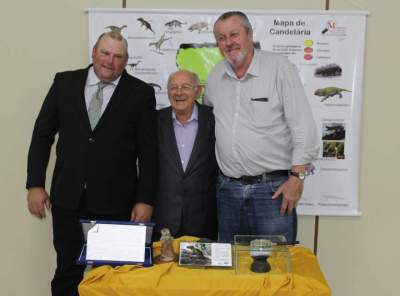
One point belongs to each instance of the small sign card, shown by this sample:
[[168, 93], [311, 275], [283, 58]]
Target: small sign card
[[205, 254]]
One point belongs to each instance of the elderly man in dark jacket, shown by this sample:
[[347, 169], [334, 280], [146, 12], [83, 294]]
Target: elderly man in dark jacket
[[187, 167]]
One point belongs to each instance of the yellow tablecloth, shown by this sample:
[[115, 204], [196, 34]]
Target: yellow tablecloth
[[169, 279]]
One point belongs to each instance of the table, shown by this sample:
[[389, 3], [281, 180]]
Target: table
[[169, 279]]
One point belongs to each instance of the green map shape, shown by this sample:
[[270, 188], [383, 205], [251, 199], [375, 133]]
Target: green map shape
[[199, 60]]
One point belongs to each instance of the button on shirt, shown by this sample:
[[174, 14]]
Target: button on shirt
[[185, 135], [263, 122], [91, 87]]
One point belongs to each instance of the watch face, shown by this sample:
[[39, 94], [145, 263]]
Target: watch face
[[301, 176]]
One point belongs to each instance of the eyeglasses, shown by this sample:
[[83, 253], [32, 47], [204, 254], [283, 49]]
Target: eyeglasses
[[183, 88]]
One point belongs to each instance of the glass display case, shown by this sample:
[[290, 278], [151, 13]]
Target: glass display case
[[261, 254]]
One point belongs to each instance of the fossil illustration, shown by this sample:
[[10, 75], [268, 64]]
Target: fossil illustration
[[200, 26], [145, 23], [116, 28], [328, 71], [174, 24], [159, 42], [329, 92], [134, 65], [155, 85]]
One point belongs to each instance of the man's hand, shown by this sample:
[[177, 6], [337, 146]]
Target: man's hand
[[291, 191], [38, 200], [141, 212]]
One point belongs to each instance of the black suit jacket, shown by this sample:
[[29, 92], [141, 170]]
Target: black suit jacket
[[186, 202], [103, 160]]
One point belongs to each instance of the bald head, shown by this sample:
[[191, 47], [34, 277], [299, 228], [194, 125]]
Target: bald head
[[183, 90], [191, 75]]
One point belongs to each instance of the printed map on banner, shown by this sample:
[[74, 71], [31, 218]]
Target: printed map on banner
[[326, 47]]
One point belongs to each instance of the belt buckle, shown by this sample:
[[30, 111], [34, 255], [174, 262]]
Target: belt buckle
[[249, 180]]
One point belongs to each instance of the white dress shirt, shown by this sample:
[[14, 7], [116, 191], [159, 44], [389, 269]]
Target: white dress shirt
[[263, 122], [91, 87]]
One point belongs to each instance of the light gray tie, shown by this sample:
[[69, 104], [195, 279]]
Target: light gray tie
[[95, 104]]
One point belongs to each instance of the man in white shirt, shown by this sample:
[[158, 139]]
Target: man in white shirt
[[265, 134]]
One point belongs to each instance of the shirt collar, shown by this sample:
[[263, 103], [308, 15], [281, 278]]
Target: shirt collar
[[94, 80], [254, 68], [193, 117]]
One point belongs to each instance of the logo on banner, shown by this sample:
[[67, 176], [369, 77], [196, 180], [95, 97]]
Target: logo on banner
[[332, 29], [331, 25]]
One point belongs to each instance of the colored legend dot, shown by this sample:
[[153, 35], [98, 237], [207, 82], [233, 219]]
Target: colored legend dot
[[308, 42]]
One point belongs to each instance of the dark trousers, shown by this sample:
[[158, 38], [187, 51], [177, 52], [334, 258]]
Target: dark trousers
[[68, 242]]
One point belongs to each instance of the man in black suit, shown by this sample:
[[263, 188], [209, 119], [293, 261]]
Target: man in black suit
[[106, 124], [187, 167]]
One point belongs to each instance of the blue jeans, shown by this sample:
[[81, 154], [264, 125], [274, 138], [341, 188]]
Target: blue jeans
[[250, 209]]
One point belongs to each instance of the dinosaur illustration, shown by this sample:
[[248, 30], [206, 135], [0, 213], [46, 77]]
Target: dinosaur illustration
[[116, 28], [155, 85], [134, 65], [144, 23], [198, 26], [329, 92], [196, 252], [159, 42], [174, 24], [328, 71]]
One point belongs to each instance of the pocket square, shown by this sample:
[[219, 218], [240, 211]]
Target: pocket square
[[260, 99]]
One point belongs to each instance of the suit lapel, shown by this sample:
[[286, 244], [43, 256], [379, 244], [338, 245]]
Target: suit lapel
[[169, 132], [78, 92]]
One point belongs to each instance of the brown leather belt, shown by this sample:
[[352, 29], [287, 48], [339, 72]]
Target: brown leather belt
[[248, 180]]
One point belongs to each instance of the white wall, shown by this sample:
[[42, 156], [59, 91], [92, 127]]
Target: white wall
[[38, 38]]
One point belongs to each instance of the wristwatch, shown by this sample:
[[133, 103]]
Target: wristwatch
[[301, 176]]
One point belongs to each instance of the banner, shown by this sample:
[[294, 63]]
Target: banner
[[326, 46]]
